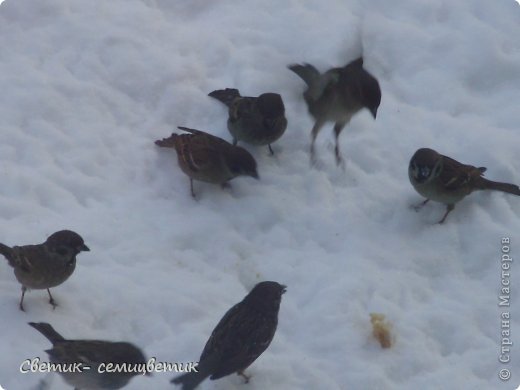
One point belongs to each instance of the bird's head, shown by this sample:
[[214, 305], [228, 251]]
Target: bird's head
[[425, 164], [242, 163], [66, 241]]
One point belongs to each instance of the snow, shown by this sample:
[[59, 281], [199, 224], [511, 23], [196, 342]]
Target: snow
[[87, 86]]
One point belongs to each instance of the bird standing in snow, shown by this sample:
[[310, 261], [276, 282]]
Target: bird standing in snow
[[240, 337], [93, 354], [208, 158], [254, 120], [337, 95], [445, 180], [45, 265]]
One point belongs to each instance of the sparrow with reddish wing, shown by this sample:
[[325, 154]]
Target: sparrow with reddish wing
[[445, 180], [208, 158]]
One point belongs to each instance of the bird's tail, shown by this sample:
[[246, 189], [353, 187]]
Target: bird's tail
[[307, 72], [486, 184], [191, 380], [226, 96], [47, 330], [167, 142], [7, 252]]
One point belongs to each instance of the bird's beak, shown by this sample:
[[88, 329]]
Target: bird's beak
[[256, 176], [284, 288], [84, 248], [374, 112]]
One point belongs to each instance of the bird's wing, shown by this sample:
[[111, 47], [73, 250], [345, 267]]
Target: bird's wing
[[307, 72], [28, 257], [200, 150], [221, 333], [242, 107], [456, 175], [252, 336]]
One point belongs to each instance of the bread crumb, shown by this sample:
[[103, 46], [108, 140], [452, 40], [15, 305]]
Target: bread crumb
[[382, 330]]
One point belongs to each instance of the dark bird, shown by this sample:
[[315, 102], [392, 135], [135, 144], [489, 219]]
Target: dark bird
[[208, 158], [45, 265], [445, 180], [254, 120], [240, 337], [93, 354], [336, 95]]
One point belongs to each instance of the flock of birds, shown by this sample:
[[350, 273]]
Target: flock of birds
[[334, 96], [247, 329]]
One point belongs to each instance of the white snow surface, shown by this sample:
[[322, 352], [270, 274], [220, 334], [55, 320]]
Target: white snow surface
[[86, 88]]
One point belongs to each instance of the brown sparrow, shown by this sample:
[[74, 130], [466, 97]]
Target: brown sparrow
[[445, 180], [208, 158]]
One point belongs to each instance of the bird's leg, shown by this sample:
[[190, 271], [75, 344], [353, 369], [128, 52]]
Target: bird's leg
[[448, 210], [51, 300], [246, 377], [337, 130], [24, 289], [191, 188], [314, 133], [270, 149], [420, 205]]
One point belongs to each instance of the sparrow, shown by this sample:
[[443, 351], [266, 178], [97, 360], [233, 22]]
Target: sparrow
[[337, 95], [240, 337], [254, 120], [45, 265], [91, 354], [208, 158], [445, 180]]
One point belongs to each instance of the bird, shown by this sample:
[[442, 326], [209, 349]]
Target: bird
[[88, 360], [208, 158], [241, 336], [255, 120], [337, 95], [445, 180], [45, 265]]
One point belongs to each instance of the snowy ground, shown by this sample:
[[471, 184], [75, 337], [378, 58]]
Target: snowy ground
[[87, 86]]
